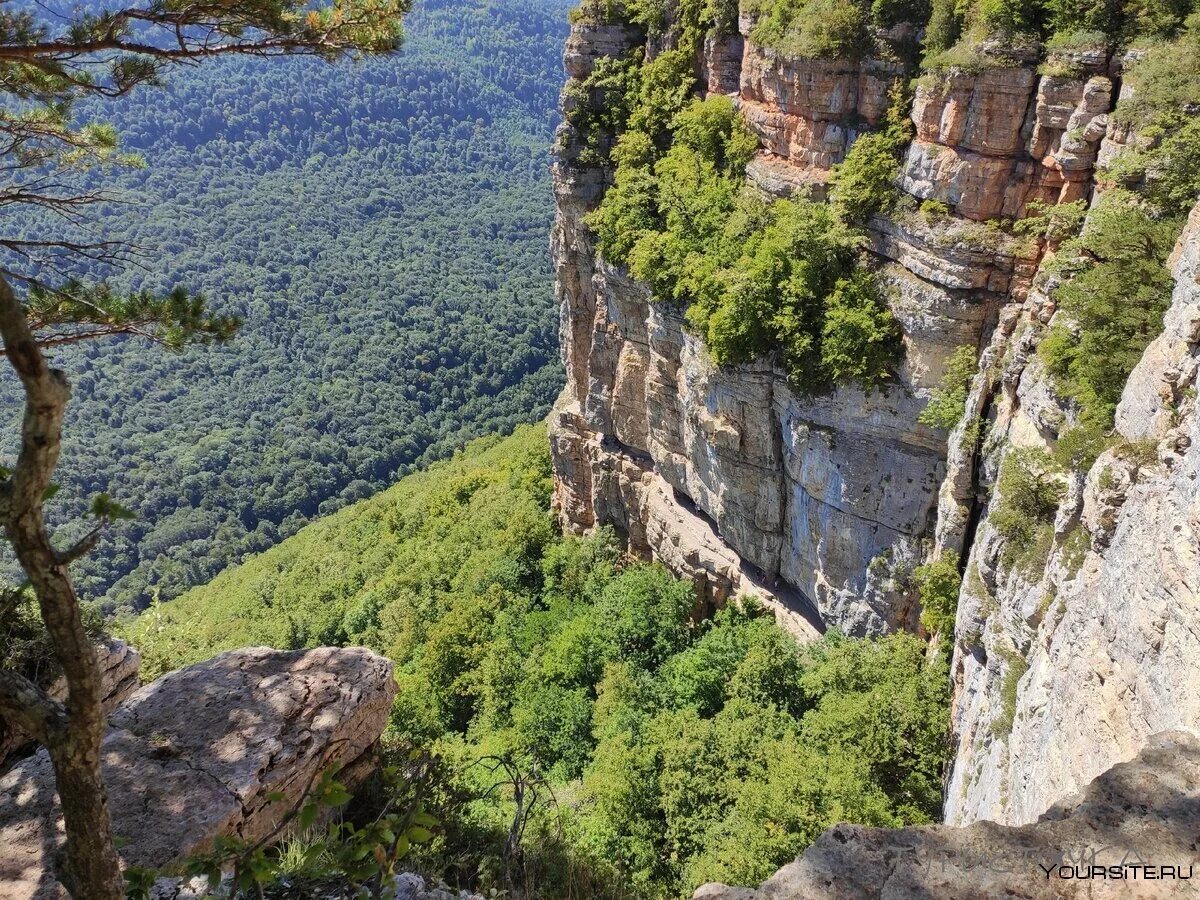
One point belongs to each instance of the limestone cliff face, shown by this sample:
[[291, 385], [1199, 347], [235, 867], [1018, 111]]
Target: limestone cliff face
[[815, 504], [1103, 651], [821, 505]]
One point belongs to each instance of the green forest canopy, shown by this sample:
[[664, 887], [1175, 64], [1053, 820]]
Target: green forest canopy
[[680, 751], [381, 227]]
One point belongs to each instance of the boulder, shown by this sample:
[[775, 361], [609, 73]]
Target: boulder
[[1139, 819], [224, 747], [119, 666]]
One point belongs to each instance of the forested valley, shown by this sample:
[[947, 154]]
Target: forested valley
[[381, 228], [661, 749]]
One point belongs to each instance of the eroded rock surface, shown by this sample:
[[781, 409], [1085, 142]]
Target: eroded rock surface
[[1141, 813], [1100, 645], [818, 505], [119, 666], [823, 505], [224, 747]]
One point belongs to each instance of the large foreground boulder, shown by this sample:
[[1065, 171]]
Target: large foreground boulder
[[224, 747], [1134, 832]]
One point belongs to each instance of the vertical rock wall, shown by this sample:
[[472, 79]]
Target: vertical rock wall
[[1064, 671], [816, 504], [820, 505]]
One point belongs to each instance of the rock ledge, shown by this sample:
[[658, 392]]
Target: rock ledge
[[201, 752]]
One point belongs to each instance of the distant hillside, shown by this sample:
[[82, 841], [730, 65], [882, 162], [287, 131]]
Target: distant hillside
[[437, 533], [382, 228]]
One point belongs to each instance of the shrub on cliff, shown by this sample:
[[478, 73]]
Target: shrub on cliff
[[1029, 490], [829, 29], [756, 277], [949, 400], [938, 583], [1064, 24], [817, 29], [860, 338], [865, 182], [1114, 297]]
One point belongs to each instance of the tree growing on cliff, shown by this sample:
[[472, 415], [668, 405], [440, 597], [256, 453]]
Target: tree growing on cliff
[[50, 61]]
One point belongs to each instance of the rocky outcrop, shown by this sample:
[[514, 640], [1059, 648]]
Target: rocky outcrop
[[821, 505], [807, 112], [224, 747], [990, 142], [1138, 820], [119, 666], [1100, 647]]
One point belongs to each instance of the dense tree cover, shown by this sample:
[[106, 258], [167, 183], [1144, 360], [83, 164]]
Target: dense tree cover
[[381, 229], [1063, 23], [756, 276], [678, 750]]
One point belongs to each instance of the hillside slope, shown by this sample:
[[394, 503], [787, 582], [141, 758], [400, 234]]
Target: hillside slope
[[664, 750], [380, 226]]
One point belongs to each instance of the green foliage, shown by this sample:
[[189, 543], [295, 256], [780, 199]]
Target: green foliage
[[379, 228], [1079, 446], [1052, 223], [779, 294], [598, 106], [666, 84], [939, 583], [375, 573], [679, 751], [957, 26], [342, 859], [949, 401], [817, 29], [865, 182], [755, 277], [174, 319], [1029, 491], [1014, 669], [945, 26], [1118, 289], [1006, 17], [829, 29], [1165, 82], [25, 647], [860, 338]]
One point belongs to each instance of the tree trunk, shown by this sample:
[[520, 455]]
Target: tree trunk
[[73, 740]]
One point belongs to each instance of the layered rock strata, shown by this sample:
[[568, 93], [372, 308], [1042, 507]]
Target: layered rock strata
[[1100, 646], [822, 505], [818, 505], [225, 747]]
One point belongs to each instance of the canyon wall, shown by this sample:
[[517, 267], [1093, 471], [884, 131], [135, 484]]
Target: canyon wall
[[818, 505], [1063, 670], [822, 505]]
